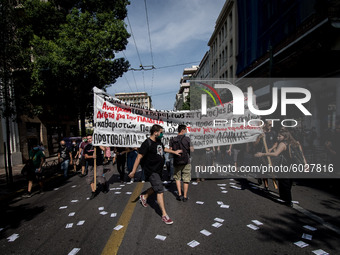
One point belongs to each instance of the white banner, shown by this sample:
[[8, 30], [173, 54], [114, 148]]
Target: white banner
[[120, 124]]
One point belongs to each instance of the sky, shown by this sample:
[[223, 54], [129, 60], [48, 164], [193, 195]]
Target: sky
[[179, 35]]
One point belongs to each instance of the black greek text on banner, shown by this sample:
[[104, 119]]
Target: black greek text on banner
[[120, 124]]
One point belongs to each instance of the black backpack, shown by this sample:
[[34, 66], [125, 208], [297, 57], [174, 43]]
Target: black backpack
[[177, 144]]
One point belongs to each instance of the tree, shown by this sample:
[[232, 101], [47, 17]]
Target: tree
[[73, 46]]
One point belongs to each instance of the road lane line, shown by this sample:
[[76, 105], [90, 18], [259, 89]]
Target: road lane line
[[116, 238]]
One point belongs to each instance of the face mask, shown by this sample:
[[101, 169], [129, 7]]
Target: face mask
[[160, 136], [73, 143]]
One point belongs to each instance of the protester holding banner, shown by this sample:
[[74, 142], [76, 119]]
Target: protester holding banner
[[90, 156], [286, 142], [182, 163], [151, 153]]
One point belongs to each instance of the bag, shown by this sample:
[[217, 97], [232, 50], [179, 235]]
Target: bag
[[296, 155], [143, 160], [177, 144], [27, 167]]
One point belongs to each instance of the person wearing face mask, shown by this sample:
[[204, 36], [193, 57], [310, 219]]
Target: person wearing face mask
[[64, 157], [152, 152], [74, 152], [182, 163]]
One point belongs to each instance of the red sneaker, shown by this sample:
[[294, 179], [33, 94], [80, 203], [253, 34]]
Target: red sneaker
[[143, 200], [167, 220]]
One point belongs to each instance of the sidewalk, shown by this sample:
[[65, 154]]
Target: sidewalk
[[19, 185]]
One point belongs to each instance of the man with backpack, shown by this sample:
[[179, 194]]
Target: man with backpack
[[151, 153], [34, 169], [182, 162]]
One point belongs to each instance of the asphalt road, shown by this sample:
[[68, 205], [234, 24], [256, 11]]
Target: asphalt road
[[42, 224]]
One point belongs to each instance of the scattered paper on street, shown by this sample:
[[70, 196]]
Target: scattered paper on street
[[320, 252], [301, 244], [309, 228], [12, 238], [306, 236], [160, 237], [216, 225], [118, 227], [69, 225], [252, 227], [205, 232], [193, 243], [258, 223]]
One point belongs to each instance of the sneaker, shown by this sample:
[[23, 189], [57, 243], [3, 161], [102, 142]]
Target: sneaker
[[143, 181], [27, 195], [167, 220], [93, 195], [179, 198], [143, 200]]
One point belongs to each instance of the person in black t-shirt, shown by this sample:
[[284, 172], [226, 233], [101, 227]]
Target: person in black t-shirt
[[152, 152], [64, 157], [99, 156]]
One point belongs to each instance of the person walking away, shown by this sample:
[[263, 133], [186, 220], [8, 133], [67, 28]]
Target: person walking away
[[99, 156], [182, 163], [152, 153], [75, 152], [37, 159], [64, 157]]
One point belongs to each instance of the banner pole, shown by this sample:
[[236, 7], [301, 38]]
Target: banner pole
[[269, 159], [95, 168]]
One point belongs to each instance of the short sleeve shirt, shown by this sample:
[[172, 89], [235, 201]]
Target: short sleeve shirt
[[89, 150], [36, 156], [64, 153], [153, 156]]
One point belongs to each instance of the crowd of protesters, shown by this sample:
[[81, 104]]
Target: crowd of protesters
[[151, 158]]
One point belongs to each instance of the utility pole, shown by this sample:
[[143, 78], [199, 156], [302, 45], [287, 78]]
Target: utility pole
[[5, 80]]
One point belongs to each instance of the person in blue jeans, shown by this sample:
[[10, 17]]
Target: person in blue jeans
[[130, 161], [64, 157]]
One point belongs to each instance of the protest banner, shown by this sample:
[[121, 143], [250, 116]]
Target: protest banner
[[120, 124]]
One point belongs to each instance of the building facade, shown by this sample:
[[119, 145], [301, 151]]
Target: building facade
[[137, 98], [223, 43], [183, 93]]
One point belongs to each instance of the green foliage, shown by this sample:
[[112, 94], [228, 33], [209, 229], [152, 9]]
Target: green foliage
[[68, 47]]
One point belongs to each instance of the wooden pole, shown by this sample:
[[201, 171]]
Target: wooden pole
[[95, 168], [269, 159]]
